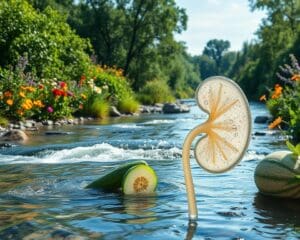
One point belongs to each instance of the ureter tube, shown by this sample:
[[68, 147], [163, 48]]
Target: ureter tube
[[193, 212]]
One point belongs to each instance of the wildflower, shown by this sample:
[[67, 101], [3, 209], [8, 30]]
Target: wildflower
[[50, 109], [22, 94], [20, 112], [295, 77], [82, 79], [7, 94], [27, 105], [58, 92], [275, 123], [38, 103], [63, 85], [97, 90], [83, 96], [41, 86], [9, 102], [80, 106], [30, 89], [277, 91], [263, 98]]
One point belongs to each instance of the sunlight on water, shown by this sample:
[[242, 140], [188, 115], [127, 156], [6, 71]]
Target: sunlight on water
[[42, 185]]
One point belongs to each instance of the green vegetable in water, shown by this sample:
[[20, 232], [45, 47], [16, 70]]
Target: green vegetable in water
[[113, 180], [278, 175], [140, 179]]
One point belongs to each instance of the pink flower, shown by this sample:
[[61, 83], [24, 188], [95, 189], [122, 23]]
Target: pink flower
[[50, 109]]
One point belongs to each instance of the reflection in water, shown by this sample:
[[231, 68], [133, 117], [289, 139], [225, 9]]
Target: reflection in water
[[277, 212], [140, 209], [191, 230], [42, 186]]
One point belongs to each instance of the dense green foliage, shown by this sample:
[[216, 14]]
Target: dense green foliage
[[156, 92], [215, 59], [51, 46], [137, 36], [278, 36]]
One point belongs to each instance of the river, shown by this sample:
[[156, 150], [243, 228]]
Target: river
[[43, 195]]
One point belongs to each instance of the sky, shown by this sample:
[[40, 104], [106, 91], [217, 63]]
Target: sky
[[229, 20]]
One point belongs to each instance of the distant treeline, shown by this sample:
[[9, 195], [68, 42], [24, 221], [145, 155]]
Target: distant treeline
[[255, 67], [138, 37]]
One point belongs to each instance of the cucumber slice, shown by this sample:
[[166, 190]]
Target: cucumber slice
[[140, 179], [113, 180]]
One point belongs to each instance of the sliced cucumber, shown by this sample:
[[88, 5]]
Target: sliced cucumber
[[113, 180], [140, 179]]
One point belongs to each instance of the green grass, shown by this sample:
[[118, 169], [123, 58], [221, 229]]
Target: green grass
[[128, 105], [3, 121]]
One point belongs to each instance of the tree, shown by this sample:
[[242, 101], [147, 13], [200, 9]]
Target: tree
[[52, 47], [127, 32], [216, 49]]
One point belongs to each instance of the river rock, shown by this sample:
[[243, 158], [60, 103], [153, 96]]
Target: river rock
[[260, 134], [113, 112], [262, 119], [47, 123], [29, 123], [57, 133], [175, 108], [5, 145], [14, 135]]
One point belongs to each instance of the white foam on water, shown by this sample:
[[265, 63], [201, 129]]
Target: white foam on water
[[127, 126], [97, 153], [159, 121]]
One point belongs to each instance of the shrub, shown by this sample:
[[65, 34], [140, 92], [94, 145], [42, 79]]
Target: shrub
[[25, 96], [112, 80], [284, 101], [128, 105], [3, 121], [52, 47], [156, 92], [97, 107]]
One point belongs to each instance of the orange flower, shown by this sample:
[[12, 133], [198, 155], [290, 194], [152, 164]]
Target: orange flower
[[263, 98], [27, 105], [20, 112], [30, 89], [277, 91], [275, 123], [38, 103], [7, 94], [9, 102], [22, 94], [295, 77]]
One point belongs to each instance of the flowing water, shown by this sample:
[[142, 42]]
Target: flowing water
[[42, 186]]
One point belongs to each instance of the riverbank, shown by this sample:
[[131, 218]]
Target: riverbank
[[18, 130]]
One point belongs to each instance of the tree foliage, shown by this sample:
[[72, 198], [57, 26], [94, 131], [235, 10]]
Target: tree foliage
[[278, 35], [215, 49], [52, 47]]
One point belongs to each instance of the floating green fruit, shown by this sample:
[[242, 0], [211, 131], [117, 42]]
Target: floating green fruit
[[140, 179], [113, 180], [278, 175]]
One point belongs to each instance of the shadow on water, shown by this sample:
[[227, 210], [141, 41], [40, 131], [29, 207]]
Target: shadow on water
[[277, 210]]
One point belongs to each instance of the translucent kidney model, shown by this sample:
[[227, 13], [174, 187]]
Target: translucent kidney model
[[226, 133]]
